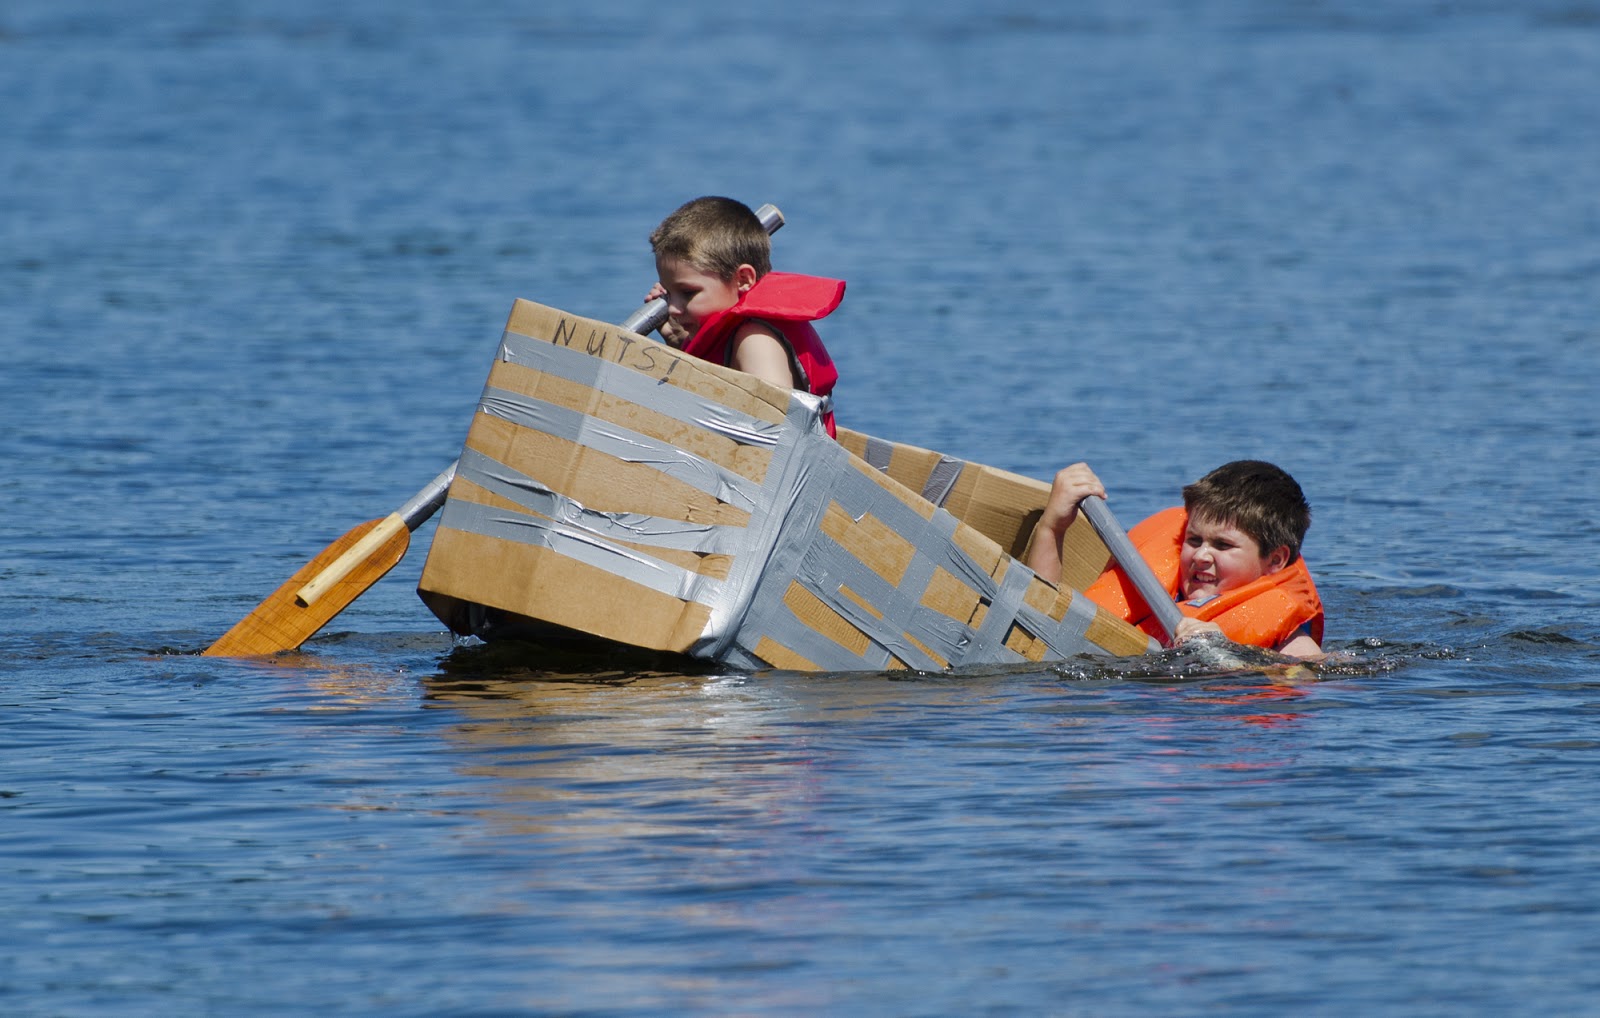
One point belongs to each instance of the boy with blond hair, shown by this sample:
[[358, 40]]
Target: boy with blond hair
[[726, 305]]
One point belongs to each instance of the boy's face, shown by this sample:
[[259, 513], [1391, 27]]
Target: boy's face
[[1216, 558], [692, 296]]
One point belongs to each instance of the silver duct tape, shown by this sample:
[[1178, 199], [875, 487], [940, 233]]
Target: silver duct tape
[[827, 569], [637, 528], [623, 444], [824, 568], [791, 502], [988, 643], [817, 478], [582, 545], [878, 453], [942, 479], [577, 366], [1064, 638]]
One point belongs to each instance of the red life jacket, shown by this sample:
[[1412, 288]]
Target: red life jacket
[[1265, 612], [789, 303]]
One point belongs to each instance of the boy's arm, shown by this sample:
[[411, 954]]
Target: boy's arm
[[758, 351], [1071, 486], [1302, 646]]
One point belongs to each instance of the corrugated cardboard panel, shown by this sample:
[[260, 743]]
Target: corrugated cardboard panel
[[745, 393], [817, 616], [713, 565], [779, 656], [1083, 556], [1001, 505], [597, 480], [948, 596], [643, 599], [980, 549], [748, 461], [869, 540], [855, 441], [513, 577], [1116, 636], [914, 467], [1020, 641], [1042, 597]]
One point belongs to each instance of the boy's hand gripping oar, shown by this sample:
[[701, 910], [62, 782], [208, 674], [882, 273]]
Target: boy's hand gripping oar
[[1122, 550], [347, 568]]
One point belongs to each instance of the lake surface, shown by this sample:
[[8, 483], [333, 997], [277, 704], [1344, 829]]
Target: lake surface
[[256, 259]]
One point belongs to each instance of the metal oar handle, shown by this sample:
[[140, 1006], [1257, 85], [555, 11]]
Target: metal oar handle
[[427, 501], [649, 318], [1126, 556]]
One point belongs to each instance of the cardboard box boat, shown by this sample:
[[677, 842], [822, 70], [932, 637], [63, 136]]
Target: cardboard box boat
[[613, 488]]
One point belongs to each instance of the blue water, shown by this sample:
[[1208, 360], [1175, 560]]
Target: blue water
[[254, 262]]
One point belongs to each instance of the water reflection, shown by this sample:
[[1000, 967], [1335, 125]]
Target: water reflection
[[669, 756]]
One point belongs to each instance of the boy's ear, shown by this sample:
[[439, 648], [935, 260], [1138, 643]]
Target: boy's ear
[[744, 277], [1276, 560]]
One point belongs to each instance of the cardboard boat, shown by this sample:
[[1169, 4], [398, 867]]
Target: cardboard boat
[[613, 489]]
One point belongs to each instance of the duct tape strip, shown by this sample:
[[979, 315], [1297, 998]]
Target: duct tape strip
[[635, 528], [1067, 637], [790, 501], [933, 630], [582, 545], [800, 551], [942, 479], [635, 386], [828, 569], [878, 453], [824, 568], [621, 443], [1002, 613]]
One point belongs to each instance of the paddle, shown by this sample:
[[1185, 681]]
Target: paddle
[[347, 568], [1144, 581], [325, 586]]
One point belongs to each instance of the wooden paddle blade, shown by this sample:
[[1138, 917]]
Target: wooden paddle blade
[[279, 623]]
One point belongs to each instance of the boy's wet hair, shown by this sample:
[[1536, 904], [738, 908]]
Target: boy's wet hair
[[1258, 498], [716, 236]]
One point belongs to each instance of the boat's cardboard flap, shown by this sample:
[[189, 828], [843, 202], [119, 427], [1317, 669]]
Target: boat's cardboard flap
[[997, 503]]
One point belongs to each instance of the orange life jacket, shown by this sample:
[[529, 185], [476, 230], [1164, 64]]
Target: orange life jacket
[[789, 303], [1265, 612]]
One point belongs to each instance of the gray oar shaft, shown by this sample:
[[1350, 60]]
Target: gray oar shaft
[[1126, 556], [427, 501]]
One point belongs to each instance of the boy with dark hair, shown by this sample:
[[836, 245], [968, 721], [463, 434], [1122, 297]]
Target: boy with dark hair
[[727, 306], [1230, 556]]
